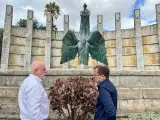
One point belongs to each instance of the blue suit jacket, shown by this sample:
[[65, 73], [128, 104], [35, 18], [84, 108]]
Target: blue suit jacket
[[106, 105]]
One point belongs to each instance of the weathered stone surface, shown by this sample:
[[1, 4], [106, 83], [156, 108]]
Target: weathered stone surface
[[129, 93], [39, 34], [128, 42], [152, 67], [38, 51], [154, 48], [154, 74], [58, 35], [129, 50], [111, 60], [150, 39], [138, 40], [57, 44], [16, 49], [56, 52], [110, 43], [149, 30], [151, 93], [130, 60], [110, 35], [128, 68], [152, 58], [55, 62], [111, 51], [38, 43], [17, 40], [128, 33], [13, 67], [15, 59], [37, 58], [18, 31], [128, 81]]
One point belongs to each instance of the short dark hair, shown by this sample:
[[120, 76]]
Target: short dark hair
[[103, 70]]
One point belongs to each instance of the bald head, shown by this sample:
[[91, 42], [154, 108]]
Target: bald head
[[38, 68]]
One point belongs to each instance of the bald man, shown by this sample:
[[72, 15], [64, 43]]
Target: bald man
[[32, 98]]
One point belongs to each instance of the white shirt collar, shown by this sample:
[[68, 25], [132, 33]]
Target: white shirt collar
[[37, 78]]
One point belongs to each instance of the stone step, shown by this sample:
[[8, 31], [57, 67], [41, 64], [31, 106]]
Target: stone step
[[126, 79]]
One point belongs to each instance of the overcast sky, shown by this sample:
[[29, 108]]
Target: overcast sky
[[107, 8]]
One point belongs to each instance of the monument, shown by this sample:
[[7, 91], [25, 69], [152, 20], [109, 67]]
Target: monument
[[89, 43]]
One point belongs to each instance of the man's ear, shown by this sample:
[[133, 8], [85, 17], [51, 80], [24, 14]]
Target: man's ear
[[103, 76]]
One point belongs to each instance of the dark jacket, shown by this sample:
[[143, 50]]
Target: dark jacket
[[106, 105]]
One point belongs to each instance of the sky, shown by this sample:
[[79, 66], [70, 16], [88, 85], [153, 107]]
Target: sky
[[107, 8]]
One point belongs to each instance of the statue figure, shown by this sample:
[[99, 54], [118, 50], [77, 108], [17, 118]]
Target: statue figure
[[89, 43]]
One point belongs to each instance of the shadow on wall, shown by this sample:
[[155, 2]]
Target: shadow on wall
[[1, 39]]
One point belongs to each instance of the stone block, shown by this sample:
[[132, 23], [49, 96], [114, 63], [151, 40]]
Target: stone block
[[13, 67], [127, 33], [15, 59], [128, 42], [17, 49], [110, 35], [129, 68], [130, 60], [55, 62], [38, 51], [18, 31], [151, 93], [56, 44], [37, 58], [152, 58], [131, 106], [112, 60], [38, 43], [111, 51], [129, 50], [150, 39], [129, 94], [128, 81], [56, 52], [152, 67], [149, 30], [110, 43], [39, 34], [154, 48], [17, 40], [147, 82]]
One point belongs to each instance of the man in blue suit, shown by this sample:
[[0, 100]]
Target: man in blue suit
[[106, 105]]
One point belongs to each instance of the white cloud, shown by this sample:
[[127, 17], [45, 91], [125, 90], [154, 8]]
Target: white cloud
[[148, 10], [107, 8]]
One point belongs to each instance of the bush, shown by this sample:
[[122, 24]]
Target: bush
[[73, 98]]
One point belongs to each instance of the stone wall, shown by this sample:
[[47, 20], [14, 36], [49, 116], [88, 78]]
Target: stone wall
[[127, 49], [137, 91]]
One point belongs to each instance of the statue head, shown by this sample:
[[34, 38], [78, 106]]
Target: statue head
[[85, 6]]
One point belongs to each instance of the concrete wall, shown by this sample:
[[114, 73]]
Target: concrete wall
[[127, 49], [137, 91]]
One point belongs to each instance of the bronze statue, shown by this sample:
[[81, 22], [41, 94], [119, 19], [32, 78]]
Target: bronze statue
[[89, 43]]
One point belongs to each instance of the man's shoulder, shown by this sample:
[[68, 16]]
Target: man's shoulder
[[28, 81], [108, 85]]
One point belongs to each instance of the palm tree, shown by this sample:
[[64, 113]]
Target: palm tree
[[53, 9]]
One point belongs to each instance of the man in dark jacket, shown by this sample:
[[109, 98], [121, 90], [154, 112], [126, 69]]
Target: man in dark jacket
[[106, 106]]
